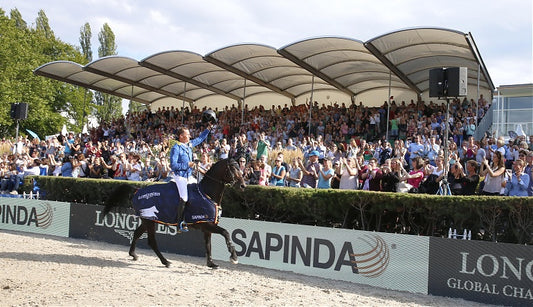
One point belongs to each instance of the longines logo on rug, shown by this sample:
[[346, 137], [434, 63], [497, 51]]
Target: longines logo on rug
[[40, 215], [125, 224], [367, 255]]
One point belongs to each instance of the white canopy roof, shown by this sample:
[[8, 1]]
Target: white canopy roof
[[401, 59]]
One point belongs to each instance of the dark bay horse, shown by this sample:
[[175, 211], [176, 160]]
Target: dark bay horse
[[212, 185]]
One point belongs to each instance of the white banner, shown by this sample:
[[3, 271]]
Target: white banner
[[392, 261], [35, 216]]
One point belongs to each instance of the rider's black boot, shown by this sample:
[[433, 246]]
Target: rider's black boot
[[181, 222]]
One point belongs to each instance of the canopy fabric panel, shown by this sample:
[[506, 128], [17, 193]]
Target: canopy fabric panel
[[411, 53], [345, 63], [192, 68], [74, 73], [263, 65]]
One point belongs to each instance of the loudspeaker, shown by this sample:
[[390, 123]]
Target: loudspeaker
[[19, 110], [457, 81], [13, 112], [436, 82], [448, 82]]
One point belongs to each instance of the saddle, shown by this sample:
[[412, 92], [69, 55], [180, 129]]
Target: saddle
[[159, 202]]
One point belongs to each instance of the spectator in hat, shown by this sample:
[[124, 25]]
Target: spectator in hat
[[310, 172]]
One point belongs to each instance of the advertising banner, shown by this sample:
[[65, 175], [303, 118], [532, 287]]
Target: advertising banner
[[35, 216], [87, 222], [487, 272], [392, 261]]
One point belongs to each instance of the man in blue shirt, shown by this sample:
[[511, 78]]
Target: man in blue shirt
[[181, 163], [519, 182], [416, 149]]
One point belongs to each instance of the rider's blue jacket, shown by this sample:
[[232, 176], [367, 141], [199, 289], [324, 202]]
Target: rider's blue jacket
[[181, 155]]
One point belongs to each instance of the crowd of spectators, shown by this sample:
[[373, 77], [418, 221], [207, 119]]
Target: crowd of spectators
[[342, 146]]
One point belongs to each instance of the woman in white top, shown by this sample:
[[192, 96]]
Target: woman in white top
[[349, 172], [494, 175]]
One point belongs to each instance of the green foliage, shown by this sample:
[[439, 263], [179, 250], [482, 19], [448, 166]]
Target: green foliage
[[502, 219], [22, 50]]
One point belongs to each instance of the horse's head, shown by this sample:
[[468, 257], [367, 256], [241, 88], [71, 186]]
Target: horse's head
[[235, 173], [226, 171]]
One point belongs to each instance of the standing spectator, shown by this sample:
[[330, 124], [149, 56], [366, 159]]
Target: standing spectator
[[295, 174], [494, 174], [277, 177], [96, 169], [349, 174], [416, 175], [134, 168], [519, 183], [310, 172], [325, 174], [416, 149], [372, 176], [262, 146]]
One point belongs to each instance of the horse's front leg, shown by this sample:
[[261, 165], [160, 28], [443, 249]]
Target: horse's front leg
[[150, 226], [231, 249], [207, 241]]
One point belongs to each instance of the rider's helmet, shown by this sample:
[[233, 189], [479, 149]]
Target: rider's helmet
[[208, 116]]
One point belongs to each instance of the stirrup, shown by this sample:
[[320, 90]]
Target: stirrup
[[183, 227]]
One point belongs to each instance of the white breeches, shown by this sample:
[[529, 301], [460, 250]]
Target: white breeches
[[181, 183]]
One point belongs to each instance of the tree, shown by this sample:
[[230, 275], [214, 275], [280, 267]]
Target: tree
[[41, 24], [22, 50], [17, 17], [85, 42], [108, 107]]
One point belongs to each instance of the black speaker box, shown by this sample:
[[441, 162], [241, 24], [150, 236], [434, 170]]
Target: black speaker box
[[448, 82], [13, 112], [19, 110]]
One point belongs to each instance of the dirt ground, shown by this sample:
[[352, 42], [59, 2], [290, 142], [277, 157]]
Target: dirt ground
[[38, 270]]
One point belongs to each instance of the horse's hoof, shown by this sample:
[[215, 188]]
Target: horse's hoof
[[234, 260], [167, 264], [212, 265], [135, 257]]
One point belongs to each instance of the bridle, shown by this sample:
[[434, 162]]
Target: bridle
[[228, 169]]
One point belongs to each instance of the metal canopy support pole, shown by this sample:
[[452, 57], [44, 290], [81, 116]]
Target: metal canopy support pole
[[242, 103], [388, 106], [183, 103], [477, 93], [311, 102]]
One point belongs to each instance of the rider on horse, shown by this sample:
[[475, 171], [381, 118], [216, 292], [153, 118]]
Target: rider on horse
[[181, 162]]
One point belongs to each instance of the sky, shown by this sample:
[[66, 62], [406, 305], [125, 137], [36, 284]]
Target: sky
[[502, 30]]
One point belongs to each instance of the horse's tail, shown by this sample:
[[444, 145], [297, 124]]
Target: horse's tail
[[119, 197]]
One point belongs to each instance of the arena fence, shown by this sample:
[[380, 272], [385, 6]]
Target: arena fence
[[487, 272]]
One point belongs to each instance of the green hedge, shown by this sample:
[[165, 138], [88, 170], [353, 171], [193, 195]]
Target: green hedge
[[502, 219]]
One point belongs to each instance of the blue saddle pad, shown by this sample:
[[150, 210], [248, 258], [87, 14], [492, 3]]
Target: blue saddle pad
[[159, 202]]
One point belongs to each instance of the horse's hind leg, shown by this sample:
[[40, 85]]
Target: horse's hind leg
[[207, 241], [150, 226], [136, 235]]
